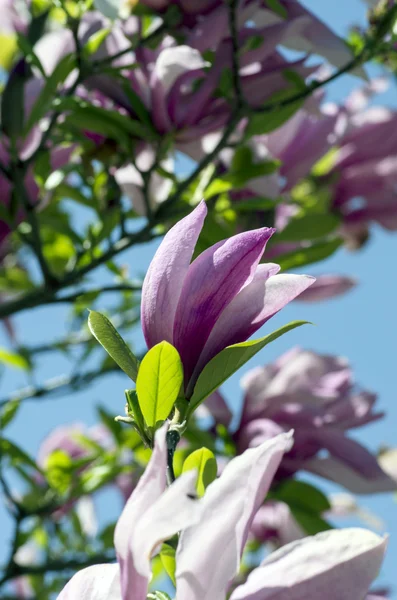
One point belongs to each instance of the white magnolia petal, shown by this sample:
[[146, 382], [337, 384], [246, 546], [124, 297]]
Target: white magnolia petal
[[230, 503], [335, 564], [173, 62], [100, 582]]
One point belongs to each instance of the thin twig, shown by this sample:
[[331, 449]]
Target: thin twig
[[57, 565], [233, 4], [59, 385], [122, 287], [141, 42]]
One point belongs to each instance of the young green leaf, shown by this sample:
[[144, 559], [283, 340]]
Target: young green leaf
[[158, 383], [306, 256], [308, 227], [47, 94], [270, 119], [301, 495], [204, 461], [106, 334], [167, 556], [12, 359], [227, 362], [8, 412], [95, 41], [311, 523]]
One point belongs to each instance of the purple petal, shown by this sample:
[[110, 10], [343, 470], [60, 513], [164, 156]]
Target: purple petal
[[165, 277], [212, 281], [216, 406], [274, 520], [251, 308], [335, 564], [348, 451], [340, 473], [100, 582], [230, 504], [151, 516], [150, 487]]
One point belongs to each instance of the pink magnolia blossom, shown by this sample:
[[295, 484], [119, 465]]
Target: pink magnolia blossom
[[205, 24], [326, 287], [221, 298], [214, 530], [315, 394]]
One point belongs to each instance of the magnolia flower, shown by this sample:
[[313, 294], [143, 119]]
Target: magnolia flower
[[214, 530], [326, 287], [12, 19], [316, 395], [221, 298], [205, 24], [365, 170], [274, 522]]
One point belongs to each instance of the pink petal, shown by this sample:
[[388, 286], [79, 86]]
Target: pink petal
[[213, 280], [337, 564], [208, 554], [150, 487], [165, 277], [151, 516], [334, 470], [255, 304], [100, 582]]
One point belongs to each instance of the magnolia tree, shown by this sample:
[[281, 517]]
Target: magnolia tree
[[103, 102]]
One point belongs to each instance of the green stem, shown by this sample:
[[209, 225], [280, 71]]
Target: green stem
[[173, 438]]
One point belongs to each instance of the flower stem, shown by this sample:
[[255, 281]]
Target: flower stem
[[173, 438]]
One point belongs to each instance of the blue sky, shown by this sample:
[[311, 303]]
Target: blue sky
[[360, 326]]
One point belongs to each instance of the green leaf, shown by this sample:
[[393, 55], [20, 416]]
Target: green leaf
[[95, 41], [301, 495], [158, 383], [217, 186], [31, 58], [311, 523], [306, 503], [110, 424], [8, 412], [278, 8], [12, 101], [254, 204], [98, 476], [16, 454], [37, 27], [203, 460], [167, 556], [108, 123], [12, 359], [59, 470], [158, 596], [8, 46], [309, 227], [306, 256], [134, 410], [269, 120], [227, 362], [49, 91], [106, 334]]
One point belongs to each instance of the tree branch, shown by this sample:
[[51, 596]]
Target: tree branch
[[56, 566]]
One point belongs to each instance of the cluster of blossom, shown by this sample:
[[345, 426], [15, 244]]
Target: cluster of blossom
[[195, 307], [296, 412], [344, 562]]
